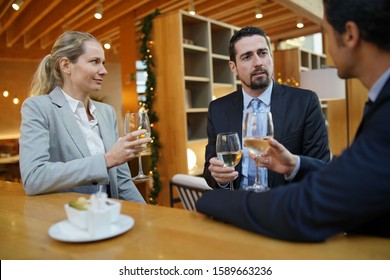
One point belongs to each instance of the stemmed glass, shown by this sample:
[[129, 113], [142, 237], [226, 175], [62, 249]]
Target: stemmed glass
[[229, 150], [133, 122], [258, 127]]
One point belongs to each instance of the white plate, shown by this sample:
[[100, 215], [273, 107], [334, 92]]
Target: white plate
[[65, 231]]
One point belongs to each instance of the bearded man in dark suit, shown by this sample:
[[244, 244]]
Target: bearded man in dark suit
[[299, 123]]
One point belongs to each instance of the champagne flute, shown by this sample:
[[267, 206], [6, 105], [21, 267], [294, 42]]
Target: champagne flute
[[258, 127], [229, 150], [133, 122]]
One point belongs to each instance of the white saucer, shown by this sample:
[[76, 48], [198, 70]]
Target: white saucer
[[65, 231]]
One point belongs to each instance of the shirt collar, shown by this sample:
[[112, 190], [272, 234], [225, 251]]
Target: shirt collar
[[74, 103], [377, 87], [265, 97]]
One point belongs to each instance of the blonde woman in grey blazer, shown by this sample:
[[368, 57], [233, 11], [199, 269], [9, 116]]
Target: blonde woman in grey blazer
[[69, 142]]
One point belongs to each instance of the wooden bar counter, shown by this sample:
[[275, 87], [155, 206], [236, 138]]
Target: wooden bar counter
[[158, 233]]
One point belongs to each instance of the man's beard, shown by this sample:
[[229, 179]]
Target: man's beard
[[260, 83]]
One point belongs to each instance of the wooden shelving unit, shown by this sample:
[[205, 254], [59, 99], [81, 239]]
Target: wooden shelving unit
[[192, 57], [288, 65]]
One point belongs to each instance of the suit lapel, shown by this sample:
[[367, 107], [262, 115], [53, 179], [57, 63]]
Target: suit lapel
[[278, 109], [235, 116], [69, 121]]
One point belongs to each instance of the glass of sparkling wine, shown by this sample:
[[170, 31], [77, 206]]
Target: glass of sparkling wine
[[258, 127], [229, 150], [133, 122]]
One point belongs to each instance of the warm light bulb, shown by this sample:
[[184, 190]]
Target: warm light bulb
[[15, 100], [99, 11], [191, 9], [107, 45], [16, 5], [300, 24], [259, 13], [98, 15], [5, 93]]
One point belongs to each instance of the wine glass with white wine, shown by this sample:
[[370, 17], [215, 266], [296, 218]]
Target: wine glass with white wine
[[258, 127], [133, 122], [229, 150]]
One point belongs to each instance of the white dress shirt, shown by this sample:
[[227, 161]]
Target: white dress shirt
[[90, 129]]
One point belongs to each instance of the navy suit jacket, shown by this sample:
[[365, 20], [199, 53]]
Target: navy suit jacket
[[351, 194], [299, 125]]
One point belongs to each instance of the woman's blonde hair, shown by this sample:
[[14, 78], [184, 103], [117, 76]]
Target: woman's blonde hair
[[48, 75]]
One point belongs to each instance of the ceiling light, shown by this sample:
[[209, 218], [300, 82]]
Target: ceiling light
[[300, 23], [99, 11], [17, 4], [107, 45], [259, 12], [5, 93], [191, 8]]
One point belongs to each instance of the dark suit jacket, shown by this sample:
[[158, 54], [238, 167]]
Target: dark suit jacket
[[298, 124], [351, 194]]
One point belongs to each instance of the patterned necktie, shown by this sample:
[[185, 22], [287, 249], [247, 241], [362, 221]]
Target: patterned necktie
[[255, 104]]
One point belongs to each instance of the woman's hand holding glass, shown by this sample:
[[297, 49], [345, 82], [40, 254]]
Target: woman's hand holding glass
[[126, 148], [138, 122]]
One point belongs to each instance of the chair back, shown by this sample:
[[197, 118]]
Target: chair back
[[189, 188]]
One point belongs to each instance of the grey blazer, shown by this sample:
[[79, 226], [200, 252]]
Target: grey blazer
[[54, 156]]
